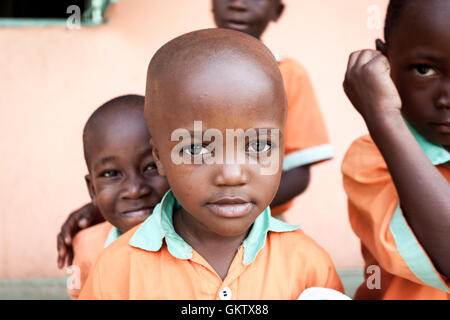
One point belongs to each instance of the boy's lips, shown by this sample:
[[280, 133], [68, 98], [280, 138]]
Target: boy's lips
[[230, 207], [237, 25], [443, 127], [140, 212]]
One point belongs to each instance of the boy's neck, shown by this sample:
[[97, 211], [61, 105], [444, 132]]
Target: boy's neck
[[219, 251]]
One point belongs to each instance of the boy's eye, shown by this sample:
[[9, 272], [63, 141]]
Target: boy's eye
[[195, 150], [424, 70], [110, 174], [259, 146], [150, 167]]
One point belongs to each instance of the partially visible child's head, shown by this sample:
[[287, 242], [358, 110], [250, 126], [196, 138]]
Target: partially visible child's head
[[123, 181], [228, 80], [417, 35], [249, 16]]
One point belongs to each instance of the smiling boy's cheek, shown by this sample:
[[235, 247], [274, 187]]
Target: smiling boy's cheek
[[105, 203]]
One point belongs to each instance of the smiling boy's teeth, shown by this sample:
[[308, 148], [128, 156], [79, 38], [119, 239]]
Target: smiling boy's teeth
[[138, 213]]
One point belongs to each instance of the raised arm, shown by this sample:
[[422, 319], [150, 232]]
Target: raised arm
[[423, 191]]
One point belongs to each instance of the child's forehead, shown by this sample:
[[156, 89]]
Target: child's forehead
[[118, 143], [229, 78], [223, 94], [124, 127], [115, 130], [425, 15], [423, 29]]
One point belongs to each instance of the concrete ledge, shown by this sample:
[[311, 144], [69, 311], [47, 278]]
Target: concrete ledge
[[33, 289], [55, 289]]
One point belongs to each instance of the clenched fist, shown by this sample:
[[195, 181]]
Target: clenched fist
[[369, 86]]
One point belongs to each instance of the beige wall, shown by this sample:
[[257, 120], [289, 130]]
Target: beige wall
[[52, 78]]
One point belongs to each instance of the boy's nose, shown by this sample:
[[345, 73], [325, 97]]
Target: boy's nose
[[240, 5], [443, 100], [232, 175], [136, 188]]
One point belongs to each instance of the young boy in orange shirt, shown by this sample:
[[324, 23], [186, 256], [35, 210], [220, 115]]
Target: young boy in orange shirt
[[212, 236], [122, 181], [306, 140], [397, 179]]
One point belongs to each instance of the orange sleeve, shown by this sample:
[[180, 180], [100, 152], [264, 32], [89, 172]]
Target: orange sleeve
[[376, 218], [325, 276], [306, 140], [322, 272], [333, 280], [91, 289], [108, 279], [87, 245], [317, 268]]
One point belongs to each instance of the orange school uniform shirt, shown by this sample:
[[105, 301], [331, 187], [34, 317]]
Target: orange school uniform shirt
[[387, 240], [276, 261], [87, 245]]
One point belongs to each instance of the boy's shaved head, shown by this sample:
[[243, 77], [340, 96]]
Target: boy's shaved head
[[109, 114], [230, 60]]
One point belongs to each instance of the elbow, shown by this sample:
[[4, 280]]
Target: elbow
[[303, 178]]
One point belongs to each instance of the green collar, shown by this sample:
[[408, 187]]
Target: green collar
[[113, 234], [436, 153], [149, 236]]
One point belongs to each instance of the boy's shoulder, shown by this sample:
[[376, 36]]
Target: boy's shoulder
[[301, 252], [92, 237], [121, 243], [297, 245], [290, 65], [119, 252]]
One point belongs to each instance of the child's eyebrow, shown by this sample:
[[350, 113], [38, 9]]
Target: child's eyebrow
[[428, 55], [147, 152], [258, 130], [104, 161]]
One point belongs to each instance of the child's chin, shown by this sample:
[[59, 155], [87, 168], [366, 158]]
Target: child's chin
[[232, 228], [130, 222], [440, 139]]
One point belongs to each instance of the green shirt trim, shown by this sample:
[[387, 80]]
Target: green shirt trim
[[149, 236], [113, 234], [407, 244]]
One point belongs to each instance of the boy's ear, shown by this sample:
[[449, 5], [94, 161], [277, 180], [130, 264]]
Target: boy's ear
[[91, 190], [381, 46], [278, 12], [158, 162]]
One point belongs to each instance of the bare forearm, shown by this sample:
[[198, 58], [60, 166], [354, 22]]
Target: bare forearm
[[293, 183], [423, 192]]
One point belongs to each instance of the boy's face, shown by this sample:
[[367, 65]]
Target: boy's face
[[419, 54], [123, 181], [224, 199], [249, 16]]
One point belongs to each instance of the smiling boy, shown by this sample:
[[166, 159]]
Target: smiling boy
[[212, 236], [122, 181], [397, 180]]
